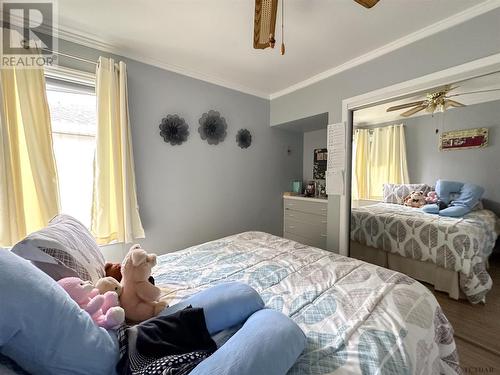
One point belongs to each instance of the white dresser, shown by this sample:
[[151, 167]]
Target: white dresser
[[304, 220]]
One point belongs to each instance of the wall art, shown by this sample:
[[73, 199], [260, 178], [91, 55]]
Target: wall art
[[463, 139], [212, 127], [244, 138], [174, 130], [319, 164]]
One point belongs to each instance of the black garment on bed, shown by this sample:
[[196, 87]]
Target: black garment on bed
[[166, 345]]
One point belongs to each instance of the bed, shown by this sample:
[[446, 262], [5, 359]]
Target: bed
[[450, 253], [358, 317]]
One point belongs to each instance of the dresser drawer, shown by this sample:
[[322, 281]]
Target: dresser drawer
[[302, 229], [317, 208], [315, 242], [305, 217]]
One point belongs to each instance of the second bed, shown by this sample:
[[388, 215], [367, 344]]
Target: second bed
[[450, 253]]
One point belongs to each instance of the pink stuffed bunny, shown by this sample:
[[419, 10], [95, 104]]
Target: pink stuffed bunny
[[103, 308], [139, 298]]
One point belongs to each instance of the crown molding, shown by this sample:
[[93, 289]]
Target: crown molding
[[427, 31], [88, 40], [85, 39]]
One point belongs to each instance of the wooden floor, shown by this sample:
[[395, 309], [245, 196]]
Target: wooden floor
[[477, 327]]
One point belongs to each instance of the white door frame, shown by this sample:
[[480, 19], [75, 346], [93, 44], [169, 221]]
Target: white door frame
[[462, 72]]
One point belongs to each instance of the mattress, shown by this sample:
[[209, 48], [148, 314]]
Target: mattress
[[458, 244], [358, 317]]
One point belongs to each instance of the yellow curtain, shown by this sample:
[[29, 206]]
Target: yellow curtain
[[387, 159], [29, 194], [115, 213], [361, 164], [379, 158]]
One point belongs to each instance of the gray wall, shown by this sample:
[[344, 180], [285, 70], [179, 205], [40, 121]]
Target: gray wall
[[313, 139], [197, 192], [465, 42], [480, 166]]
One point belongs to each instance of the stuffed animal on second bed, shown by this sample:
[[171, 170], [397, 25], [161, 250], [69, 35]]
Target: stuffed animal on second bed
[[431, 197], [103, 308], [139, 299], [416, 199]]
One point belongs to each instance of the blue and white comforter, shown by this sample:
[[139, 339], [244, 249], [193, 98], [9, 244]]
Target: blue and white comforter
[[358, 318], [457, 244]]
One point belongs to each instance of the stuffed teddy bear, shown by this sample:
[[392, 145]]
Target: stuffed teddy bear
[[103, 308], [139, 299], [416, 199], [431, 197], [114, 270], [108, 284]]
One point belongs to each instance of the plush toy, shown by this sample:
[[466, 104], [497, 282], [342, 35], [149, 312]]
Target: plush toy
[[103, 308], [431, 197], [140, 299], [416, 199], [467, 196], [114, 270], [108, 284]]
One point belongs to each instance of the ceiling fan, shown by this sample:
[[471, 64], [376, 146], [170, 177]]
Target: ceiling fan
[[265, 22], [437, 101]]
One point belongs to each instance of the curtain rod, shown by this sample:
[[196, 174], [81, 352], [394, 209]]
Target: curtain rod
[[376, 126], [26, 46], [71, 56]]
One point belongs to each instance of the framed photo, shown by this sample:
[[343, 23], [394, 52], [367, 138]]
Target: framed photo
[[463, 139], [319, 166]]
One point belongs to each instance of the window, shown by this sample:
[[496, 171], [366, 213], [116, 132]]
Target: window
[[74, 123]]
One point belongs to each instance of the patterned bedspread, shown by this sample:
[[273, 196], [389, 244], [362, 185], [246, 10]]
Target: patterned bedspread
[[457, 244], [358, 318]]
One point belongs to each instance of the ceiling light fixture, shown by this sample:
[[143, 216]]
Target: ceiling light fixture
[[264, 26]]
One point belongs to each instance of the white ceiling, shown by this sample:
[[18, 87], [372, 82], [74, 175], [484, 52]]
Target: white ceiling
[[377, 114], [212, 39]]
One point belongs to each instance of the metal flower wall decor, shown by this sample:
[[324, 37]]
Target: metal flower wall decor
[[244, 138], [174, 130], [212, 127]]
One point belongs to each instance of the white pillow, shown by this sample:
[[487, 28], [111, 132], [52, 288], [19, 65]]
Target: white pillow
[[65, 248], [396, 193]]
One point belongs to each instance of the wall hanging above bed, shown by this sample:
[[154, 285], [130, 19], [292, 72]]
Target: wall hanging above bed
[[174, 130], [464, 139], [212, 127], [244, 138]]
